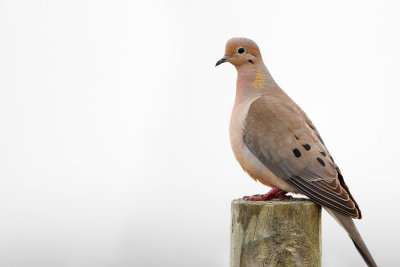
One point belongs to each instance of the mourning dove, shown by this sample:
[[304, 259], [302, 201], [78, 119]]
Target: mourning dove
[[277, 144]]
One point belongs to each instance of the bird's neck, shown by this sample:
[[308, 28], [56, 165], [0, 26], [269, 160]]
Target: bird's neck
[[253, 77]]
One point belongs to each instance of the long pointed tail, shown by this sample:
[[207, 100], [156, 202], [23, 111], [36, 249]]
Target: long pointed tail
[[347, 223]]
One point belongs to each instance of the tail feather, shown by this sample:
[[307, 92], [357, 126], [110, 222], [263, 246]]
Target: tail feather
[[347, 223]]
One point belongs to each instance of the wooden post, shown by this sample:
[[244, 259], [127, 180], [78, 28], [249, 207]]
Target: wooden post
[[275, 233]]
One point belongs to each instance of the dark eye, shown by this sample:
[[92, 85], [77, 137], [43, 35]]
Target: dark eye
[[241, 50]]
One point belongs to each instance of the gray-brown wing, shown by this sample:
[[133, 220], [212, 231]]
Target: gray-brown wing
[[280, 135]]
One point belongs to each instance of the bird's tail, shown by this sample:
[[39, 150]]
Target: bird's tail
[[347, 223]]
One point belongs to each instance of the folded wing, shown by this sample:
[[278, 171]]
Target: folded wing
[[281, 136]]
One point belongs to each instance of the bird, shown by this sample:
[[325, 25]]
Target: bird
[[276, 143]]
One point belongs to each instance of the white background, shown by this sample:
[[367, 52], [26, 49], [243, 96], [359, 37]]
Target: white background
[[114, 146]]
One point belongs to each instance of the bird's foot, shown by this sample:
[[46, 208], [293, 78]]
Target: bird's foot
[[274, 193]]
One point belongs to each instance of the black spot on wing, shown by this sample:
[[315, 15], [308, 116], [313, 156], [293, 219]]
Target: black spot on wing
[[307, 147], [321, 161], [297, 153]]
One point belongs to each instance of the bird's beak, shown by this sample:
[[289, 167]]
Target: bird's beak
[[222, 60]]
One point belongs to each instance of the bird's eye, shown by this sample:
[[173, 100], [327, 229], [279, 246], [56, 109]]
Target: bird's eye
[[241, 50]]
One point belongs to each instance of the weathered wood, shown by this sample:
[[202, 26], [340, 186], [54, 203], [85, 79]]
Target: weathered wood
[[275, 233]]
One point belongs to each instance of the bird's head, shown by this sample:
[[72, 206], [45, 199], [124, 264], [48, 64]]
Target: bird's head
[[239, 51]]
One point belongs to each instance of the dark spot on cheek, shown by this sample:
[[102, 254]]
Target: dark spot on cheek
[[297, 153], [323, 154], [332, 159], [321, 161], [251, 61], [296, 137], [307, 147]]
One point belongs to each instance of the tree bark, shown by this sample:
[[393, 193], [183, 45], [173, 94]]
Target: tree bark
[[275, 233]]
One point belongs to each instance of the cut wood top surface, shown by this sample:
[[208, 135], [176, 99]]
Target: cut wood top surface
[[292, 201]]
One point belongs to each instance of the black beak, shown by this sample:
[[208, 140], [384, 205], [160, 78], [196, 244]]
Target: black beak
[[222, 60]]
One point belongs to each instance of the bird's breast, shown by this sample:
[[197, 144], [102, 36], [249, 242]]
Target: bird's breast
[[249, 162]]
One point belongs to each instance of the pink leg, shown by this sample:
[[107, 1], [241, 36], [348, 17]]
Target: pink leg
[[272, 194]]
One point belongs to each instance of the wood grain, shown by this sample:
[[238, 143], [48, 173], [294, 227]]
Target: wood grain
[[275, 233]]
